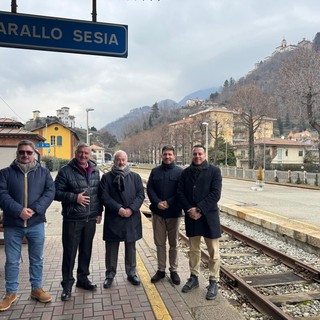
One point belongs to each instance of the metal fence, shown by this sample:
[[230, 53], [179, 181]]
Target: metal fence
[[294, 177]]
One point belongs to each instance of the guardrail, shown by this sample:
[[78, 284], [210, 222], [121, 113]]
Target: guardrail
[[293, 177]]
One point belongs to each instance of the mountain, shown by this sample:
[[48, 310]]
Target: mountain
[[203, 94], [119, 126]]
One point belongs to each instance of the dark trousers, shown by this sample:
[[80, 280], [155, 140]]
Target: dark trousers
[[76, 236], [112, 251]]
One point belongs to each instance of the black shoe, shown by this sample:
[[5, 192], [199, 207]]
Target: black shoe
[[107, 283], [175, 277], [66, 294], [87, 285], [158, 276], [191, 284], [212, 290], [134, 280]]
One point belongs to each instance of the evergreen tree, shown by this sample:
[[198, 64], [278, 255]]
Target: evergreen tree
[[280, 126]]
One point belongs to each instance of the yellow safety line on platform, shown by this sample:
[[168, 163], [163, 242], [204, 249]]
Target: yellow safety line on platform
[[159, 308]]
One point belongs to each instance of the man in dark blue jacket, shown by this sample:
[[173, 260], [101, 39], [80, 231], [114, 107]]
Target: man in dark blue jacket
[[77, 186], [166, 213], [26, 192]]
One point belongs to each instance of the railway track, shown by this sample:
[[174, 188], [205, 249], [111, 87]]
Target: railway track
[[253, 270], [271, 281]]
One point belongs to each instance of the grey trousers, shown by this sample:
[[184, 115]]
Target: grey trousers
[[163, 228], [111, 259]]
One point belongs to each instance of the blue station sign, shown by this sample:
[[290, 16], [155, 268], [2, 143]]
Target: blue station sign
[[43, 145], [63, 35]]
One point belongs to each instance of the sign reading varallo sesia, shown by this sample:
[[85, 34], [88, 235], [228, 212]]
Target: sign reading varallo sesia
[[63, 35]]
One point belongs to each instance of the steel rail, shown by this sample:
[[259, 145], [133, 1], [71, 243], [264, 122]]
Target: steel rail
[[285, 259], [258, 300]]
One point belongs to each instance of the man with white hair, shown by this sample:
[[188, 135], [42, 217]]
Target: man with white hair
[[122, 195]]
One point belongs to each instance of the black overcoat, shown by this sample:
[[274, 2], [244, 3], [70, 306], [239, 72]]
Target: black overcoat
[[117, 228], [204, 193]]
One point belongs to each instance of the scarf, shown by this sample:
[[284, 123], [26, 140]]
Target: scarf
[[196, 170], [120, 174], [26, 167]]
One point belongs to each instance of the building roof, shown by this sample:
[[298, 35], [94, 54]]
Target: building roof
[[212, 109], [95, 147], [185, 120], [7, 122], [57, 122], [13, 128], [275, 142]]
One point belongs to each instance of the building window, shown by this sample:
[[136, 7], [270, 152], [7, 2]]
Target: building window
[[53, 140], [287, 152], [59, 140], [300, 153]]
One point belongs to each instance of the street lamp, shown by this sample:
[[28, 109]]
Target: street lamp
[[226, 160], [264, 149], [88, 110], [206, 124]]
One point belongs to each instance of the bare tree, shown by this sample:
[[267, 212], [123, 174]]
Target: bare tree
[[253, 105], [300, 85]]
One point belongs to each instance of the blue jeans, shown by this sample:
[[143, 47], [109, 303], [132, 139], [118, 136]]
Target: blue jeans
[[13, 237]]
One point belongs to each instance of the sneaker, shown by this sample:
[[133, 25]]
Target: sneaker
[[40, 295], [175, 277], [158, 276], [191, 284], [7, 301], [212, 290]]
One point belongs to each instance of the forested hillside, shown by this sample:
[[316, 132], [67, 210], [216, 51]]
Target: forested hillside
[[267, 77]]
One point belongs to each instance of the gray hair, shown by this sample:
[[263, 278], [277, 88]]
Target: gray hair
[[26, 143], [118, 152], [82, 145]]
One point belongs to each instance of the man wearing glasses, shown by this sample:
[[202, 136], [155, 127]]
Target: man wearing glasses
[[77, 186], [26, 192]]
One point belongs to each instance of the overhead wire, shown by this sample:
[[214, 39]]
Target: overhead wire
[[23, 120]]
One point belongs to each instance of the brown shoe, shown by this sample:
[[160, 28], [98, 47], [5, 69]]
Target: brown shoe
[[7, 301], [40, 295]]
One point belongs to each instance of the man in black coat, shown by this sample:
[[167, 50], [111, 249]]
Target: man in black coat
[[166, 213], [122, 195], [77, 187], [199, 191]]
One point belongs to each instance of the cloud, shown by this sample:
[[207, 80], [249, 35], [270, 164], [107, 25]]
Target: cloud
[[175, 47]]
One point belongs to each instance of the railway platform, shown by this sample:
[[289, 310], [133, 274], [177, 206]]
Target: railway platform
[[123, 300]]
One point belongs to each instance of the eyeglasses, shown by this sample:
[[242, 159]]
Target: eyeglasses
[[22, 152]]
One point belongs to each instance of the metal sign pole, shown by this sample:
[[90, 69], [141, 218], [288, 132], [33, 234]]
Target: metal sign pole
[[14, 6], [94, 10]]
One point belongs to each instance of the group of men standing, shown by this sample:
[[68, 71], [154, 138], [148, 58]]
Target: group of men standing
[[196, 190], [27, 190]]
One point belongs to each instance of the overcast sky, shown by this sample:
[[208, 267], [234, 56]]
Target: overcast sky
[[175, 47]]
